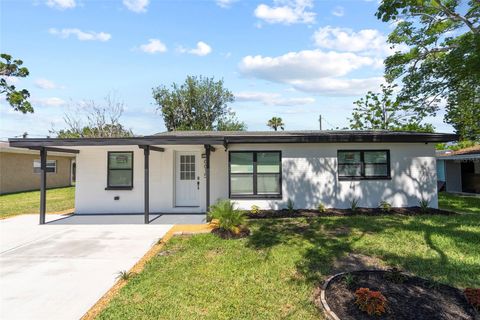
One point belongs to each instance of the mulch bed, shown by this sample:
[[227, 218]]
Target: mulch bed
[[411, 298], [225, 234], [284, 213]]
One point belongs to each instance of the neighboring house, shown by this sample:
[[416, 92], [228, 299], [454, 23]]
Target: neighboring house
[[459, 171], [185, 172], [20, 169]]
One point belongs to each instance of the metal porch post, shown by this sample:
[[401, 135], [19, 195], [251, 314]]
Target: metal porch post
[[207, 174], [43, 184], [146, 153]]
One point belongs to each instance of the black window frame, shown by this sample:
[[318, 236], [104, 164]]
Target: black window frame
[[109, 187], [47, 168], [255, 194], [362, 165]]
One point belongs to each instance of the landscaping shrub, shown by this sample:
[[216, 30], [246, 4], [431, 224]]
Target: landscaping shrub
[[385, 206], [124, 275], [321, 207], [290, 205], [354, 205], [424, 205], [350, 280], [227, 216], [473, 297], [371, 302], [255, 209]]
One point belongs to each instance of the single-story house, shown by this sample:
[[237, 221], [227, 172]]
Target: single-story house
[[20, 169], [459, 171], [185, 172]]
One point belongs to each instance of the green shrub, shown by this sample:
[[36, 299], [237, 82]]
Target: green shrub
[[354, 205], [290, 205], [385, 206], [229, 218], [321, 207], [124, 275], [424, 205], [255, 209]]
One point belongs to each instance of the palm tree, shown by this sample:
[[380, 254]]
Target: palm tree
[[275, 123]]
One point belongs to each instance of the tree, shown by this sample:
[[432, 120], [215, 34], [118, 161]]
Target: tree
[[93, 120], [18, 99], [199, 103], [383, 111], [275, 123], [442, 62]]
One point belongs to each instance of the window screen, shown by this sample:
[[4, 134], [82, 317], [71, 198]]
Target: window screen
[[120, 169], [367, 164], [255, 174]]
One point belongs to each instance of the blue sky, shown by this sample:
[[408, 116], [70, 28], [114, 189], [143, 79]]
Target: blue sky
[[295, 59]]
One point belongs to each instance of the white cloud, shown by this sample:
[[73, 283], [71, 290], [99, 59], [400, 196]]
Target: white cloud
[[137, 6], [61, 4], [272, 99], [225, 3], [49, 102], [81, 35], [153, 46], [307, 64], [46, 84], [314, 71], [344, 39], [202, 49], [286, 12], [338, 11]]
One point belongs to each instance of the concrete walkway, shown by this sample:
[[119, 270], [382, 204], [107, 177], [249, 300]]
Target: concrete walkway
[[58, 271]]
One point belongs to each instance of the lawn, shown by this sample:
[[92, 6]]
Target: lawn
[[273, 273], [58, 199]]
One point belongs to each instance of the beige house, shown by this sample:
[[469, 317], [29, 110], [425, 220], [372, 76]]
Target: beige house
[[20, 169]]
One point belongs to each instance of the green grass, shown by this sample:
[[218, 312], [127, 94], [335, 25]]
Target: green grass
[[459, 203], [29, 202], [272, 274]]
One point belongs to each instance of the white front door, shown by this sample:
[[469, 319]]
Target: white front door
[[187, 179]]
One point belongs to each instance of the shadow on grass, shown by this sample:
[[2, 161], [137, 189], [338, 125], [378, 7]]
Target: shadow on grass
[[321, 244]]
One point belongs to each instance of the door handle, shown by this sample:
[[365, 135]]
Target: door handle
[[198, 185]]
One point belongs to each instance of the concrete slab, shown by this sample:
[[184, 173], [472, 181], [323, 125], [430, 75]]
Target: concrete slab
[[58, 271], [155, 218]]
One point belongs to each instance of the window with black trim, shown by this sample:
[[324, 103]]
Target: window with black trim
[[120, 170], [363, 164], [255, 174], [51, 166]]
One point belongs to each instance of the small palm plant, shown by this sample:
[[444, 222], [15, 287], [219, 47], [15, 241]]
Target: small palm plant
[[424, 205], [227, 216], [124, 275], [354, 205]]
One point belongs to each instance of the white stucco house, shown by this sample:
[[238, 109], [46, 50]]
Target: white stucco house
[[187, 171]]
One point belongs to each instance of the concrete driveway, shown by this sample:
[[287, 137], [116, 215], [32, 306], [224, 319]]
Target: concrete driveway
[[58, 271]]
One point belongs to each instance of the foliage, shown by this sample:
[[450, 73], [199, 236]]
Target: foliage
[[350, 280], [424, 205], [385, 206], [473, 297], [383, 111], [200, 103], [371, 302], [441, 59], [275, 123], [354, 205], [255, 209], [280, 263], [92, 120], [321, 208], [229, 218], [58, 199], [124, 275], [395, 275], [290, 205], [18, 99]]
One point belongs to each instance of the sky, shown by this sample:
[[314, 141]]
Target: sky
[[294, 59]]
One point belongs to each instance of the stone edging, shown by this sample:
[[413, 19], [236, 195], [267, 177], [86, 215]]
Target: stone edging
[[98, 307]]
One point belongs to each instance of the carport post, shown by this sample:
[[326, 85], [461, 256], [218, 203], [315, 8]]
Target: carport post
[[43, 184], [207, 175], [146, 153]]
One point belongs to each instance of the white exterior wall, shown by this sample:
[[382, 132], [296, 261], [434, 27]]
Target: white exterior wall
[[309, 177]]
